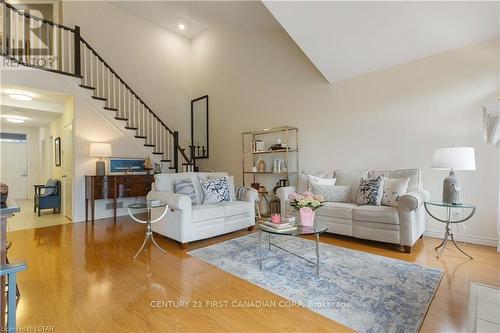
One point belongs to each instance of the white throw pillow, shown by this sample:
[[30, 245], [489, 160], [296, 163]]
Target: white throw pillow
[[333, 193], [393, 190], [313, 180]]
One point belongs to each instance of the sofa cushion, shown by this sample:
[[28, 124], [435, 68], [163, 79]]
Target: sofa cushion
[[380, 214], [336, 209], [352, 178], [232, 208], [415, 182], [207, 212]]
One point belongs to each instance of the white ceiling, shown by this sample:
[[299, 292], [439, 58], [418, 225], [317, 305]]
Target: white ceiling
[[346, 39], [198, 16], [39, 112]]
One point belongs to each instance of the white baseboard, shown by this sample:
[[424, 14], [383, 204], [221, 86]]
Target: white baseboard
[[488, 241]]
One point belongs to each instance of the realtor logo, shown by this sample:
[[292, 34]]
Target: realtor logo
[[29, 34]]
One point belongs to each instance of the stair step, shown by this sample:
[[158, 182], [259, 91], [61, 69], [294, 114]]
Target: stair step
[[155, 153], [99, 98], [110, 109], [148, 145], [87, 87], [171, 168], [120, 118], [140, 137], [166, 160], [131, 128]]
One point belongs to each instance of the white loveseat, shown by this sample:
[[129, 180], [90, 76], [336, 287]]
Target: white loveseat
[[187, 222], [402, 225]]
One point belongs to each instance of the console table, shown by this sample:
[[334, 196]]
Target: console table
[[114, 187]]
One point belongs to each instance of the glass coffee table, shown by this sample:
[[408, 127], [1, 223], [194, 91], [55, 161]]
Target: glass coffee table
[[316, 229]]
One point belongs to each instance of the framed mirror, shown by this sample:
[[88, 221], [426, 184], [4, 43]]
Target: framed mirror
[[57, 149], [199, 127]]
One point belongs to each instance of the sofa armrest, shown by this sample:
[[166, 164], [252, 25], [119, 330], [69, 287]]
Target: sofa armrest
[[246, 193], [174, 200], [284, 192], [412, 200]]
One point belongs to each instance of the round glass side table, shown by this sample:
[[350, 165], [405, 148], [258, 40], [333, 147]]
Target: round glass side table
[[148, 222], [449, 220]]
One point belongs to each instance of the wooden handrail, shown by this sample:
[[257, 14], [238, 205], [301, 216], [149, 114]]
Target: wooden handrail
[[22, 12]]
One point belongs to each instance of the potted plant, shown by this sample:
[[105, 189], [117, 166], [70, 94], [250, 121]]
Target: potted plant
[[306, 203]]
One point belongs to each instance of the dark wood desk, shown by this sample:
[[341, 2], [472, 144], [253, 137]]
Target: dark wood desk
[[114, 187]]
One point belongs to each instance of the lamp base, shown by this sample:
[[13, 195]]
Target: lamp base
[[100, 168], [450, 185]]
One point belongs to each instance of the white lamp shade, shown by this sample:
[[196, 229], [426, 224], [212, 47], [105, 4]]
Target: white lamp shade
[[100, 149], [456, 158]]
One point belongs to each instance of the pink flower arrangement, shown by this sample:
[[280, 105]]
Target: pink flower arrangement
[[306, 199]]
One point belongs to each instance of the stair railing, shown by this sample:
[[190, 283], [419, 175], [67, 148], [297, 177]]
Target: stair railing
[[36, 42]]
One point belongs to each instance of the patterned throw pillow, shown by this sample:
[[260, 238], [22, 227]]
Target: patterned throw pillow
[[186, 187], [393, 190], [215, 189], [370, 191], [333, 193]]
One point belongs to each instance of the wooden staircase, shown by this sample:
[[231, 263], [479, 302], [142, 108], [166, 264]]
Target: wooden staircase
[[35, 42]]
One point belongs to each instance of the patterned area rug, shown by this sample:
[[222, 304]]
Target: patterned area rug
[[366, 292]]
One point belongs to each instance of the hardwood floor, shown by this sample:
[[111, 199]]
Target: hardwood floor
[[81, 278]]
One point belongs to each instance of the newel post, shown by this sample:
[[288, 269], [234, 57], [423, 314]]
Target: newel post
[[176, 151], [78, 66]]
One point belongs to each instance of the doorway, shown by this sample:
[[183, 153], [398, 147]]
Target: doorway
[[14, 165], [67, 162]]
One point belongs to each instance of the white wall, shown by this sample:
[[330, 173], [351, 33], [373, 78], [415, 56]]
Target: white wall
[[386, 119], [153, 61]]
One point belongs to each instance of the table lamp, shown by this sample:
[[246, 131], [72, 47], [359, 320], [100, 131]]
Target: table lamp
[[100, 149], [453, 158]]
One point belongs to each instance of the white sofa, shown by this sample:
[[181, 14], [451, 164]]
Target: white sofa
[[187, 222], [402, 225]]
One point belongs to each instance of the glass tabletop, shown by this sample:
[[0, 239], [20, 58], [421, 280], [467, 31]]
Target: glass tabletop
[[449, 205], [299, 230], [143, 205]]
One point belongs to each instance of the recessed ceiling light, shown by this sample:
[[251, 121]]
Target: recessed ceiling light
[[15, 120], [21, 97], [181, 26]]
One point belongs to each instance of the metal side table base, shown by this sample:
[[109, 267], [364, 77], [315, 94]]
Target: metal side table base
[[149, 234], [147, 238], [448, 234]]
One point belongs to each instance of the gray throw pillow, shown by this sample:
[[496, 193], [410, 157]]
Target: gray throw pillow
[[370, 191], [215, 189], [50, 191], [333, 193], [186, 187]]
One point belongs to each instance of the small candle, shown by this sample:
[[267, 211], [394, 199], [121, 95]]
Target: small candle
[[276, 218]]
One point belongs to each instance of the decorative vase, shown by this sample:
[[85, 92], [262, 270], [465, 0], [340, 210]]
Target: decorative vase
[[307, 216], [261, 167]]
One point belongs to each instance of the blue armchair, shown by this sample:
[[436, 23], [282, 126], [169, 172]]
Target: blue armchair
[[50, 197]]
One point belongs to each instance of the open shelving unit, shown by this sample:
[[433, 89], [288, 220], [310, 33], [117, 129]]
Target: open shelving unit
[[288, 136]]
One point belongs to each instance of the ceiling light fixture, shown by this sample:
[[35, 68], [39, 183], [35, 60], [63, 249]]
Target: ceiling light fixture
[[21, 97], [181, 26], [15, 120]]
